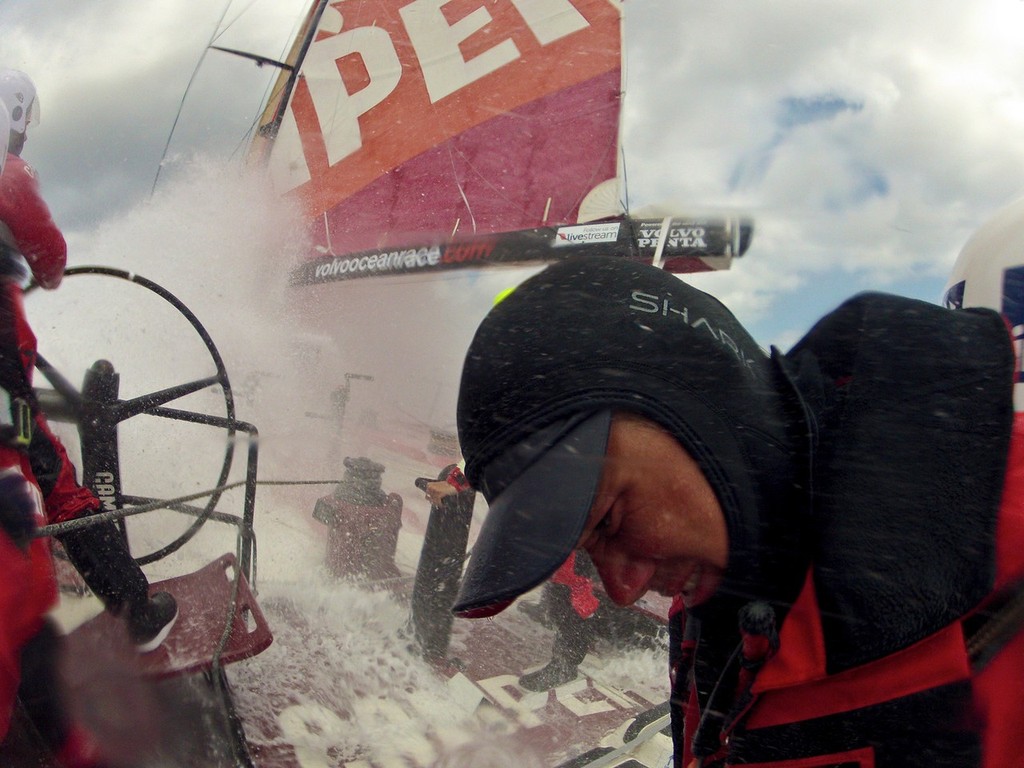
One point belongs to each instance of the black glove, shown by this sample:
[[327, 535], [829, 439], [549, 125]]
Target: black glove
[[17, 508]]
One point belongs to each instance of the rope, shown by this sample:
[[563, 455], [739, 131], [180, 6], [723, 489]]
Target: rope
[[117, 514]]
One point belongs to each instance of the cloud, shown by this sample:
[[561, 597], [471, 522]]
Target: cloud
[[869, 139], [112, 76]]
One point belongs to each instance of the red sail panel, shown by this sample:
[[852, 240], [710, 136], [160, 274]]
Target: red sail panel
[[421, 120]]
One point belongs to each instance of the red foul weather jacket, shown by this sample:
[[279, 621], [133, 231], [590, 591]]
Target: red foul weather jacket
[[26, 227], [581, 588], [26, 224], [28, 590], [28, 586], [895, 649]]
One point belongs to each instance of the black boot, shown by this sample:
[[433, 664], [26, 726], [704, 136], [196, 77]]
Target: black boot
[[100, 553], [573, 636], [150, 622], [558, 671]]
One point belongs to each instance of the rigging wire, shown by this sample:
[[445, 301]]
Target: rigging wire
[[267, 91], [224, 27], [184, 95]]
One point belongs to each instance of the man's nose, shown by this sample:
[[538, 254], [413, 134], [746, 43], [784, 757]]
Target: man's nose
[[617, 576]]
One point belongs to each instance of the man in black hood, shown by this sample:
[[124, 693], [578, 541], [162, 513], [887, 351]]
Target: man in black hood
[[825, 516]]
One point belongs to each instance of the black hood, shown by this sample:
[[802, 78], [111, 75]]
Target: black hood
[[596, 334]]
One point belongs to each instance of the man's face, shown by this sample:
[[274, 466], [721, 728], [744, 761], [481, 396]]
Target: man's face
[[655, 524]]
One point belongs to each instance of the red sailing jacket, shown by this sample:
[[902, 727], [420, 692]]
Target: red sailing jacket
[[27, 227], [581, 588], [28, 224], [28, 587], [28, 590], [914, 540]]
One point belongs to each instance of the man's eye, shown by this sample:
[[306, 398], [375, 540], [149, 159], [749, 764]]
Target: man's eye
[[595, 534], [603, 525]]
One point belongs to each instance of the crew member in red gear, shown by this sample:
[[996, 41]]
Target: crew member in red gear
[[30, 642], [440, 566], [569, 604], [36, 475], [28, 234]]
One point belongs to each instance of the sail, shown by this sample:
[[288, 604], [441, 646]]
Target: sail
[[438, 134], [410, 118]]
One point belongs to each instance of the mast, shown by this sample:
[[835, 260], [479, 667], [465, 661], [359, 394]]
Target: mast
[[273, 113]]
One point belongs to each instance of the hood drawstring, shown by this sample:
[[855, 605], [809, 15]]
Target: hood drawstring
[[759, 642]]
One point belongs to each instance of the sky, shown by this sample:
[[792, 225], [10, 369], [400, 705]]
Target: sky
[[868, 140]]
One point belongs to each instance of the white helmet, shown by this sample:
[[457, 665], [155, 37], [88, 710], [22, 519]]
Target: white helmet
[[5, 133], [989, 272], [18, 92]]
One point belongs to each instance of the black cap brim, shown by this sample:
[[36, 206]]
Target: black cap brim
[[535, 522]]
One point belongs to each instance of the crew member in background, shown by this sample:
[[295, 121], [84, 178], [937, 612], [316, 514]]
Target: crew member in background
[[441, 557], [451, 481], [29, 641], [28, 234], [568, 604]]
